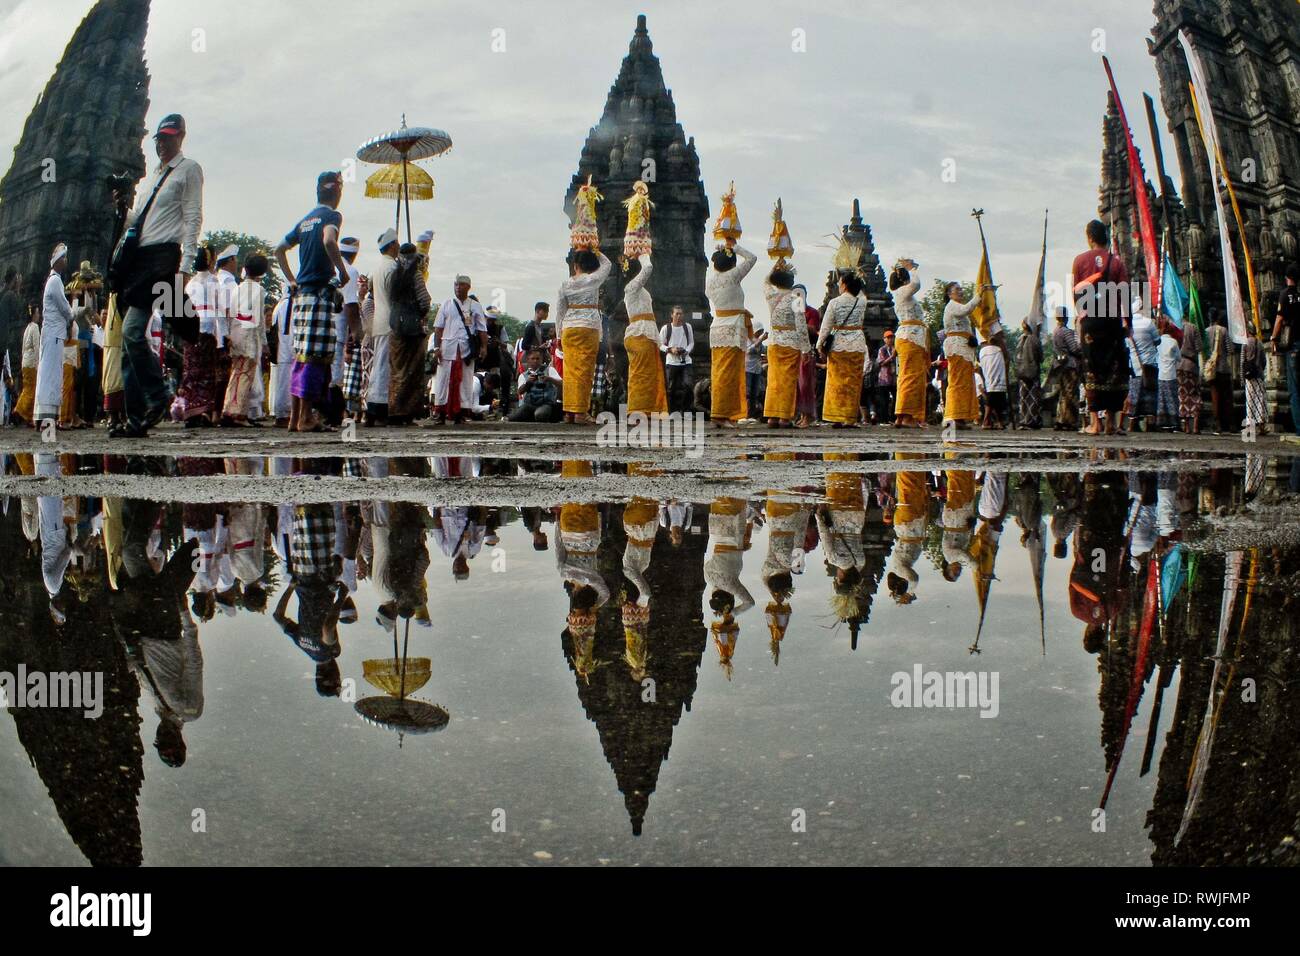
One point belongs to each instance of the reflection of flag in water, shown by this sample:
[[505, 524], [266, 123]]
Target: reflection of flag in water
[[1150, 601], [1037, 562], [1173, 575], [1210, 720], [1174, 298], [984, 549]]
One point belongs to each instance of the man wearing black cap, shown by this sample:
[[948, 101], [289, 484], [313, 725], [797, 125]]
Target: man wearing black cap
[[161, 240]]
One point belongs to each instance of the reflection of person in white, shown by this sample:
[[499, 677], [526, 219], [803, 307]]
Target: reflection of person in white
[[460, 337]]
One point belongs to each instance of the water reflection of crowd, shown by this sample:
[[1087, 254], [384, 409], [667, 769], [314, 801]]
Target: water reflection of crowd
[[649, 583]]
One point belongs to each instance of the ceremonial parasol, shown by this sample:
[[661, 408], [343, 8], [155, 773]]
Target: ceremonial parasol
[[400, 182], [403, 146], [397, 677]]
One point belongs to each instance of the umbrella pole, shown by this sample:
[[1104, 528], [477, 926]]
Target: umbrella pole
[[406, 193]]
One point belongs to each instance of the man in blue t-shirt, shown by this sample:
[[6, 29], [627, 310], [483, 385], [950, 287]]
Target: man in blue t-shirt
[[319, 260]]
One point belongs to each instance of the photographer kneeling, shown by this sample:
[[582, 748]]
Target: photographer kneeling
[[538, 391]]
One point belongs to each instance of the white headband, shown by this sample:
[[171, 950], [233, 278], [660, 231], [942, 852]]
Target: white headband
[[60, 251]]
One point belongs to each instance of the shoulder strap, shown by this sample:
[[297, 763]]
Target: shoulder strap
[[144, 213]]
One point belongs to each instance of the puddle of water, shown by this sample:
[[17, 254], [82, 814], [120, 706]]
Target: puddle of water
[[389, 682]]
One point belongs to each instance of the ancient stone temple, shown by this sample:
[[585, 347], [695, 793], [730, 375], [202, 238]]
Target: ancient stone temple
[[1251, 51], [86, 126], [638, 137], [880, 304]]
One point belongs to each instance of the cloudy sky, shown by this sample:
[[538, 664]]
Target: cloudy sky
[[1012, 92]]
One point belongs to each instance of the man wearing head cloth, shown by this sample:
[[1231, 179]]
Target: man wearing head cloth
[[320, 266], [166, 222], [460, 338], [378, 331], [56, 320], [227, 264], [347, 322]]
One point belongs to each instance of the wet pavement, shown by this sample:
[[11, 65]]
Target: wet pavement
[[848, 655]]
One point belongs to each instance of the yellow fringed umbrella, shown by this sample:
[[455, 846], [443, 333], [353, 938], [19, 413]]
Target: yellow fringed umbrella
[[394, 182], [387, 183]]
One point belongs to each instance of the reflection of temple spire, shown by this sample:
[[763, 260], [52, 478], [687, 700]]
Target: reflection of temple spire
[[634, 719]]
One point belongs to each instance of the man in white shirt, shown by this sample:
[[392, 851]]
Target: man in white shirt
[[460, 337], [677, 342], [378, 332], [168, 237]]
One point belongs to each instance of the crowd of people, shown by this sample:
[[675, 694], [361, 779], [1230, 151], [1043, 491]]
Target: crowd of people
[[376, 349]]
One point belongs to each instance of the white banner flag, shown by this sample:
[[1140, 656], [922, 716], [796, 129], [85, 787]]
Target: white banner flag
[[1231, 280]]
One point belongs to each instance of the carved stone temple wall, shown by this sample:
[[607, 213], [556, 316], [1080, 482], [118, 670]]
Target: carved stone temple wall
[[86, 125]]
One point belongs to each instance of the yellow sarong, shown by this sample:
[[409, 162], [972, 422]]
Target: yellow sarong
[[26, 405], [581, 347], [843, 387], [913, 371], [782, 382], [959, 402], [728, 375], [961, 489], [570, 468], [579, 518], [913, 496], [640, 511], [645, 376], [68, 407], [844, 489]]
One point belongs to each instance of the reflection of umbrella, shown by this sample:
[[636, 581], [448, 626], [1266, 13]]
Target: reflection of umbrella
[[397, 677], [396, 182], [405, 145], [404, 716]]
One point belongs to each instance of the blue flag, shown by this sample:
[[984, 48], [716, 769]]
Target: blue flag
[[1174, 299]]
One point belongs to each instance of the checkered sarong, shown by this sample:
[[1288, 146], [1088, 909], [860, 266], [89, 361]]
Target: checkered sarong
[[313, 325], [311, 544], [352, 378]]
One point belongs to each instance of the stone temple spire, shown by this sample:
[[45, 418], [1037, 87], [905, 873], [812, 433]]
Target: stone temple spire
[[87, 125], [638, 137], [880, 304]]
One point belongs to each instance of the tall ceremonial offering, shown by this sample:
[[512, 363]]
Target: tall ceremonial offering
[[727, 225], [1219, 174], [583, 234], [779, 246], [1137, 180], [985, 318], [636, 240]]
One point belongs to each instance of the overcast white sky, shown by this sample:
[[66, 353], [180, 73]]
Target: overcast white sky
[[1012, 90]]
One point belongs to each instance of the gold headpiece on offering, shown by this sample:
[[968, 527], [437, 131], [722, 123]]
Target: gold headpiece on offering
[[779, 246], [636, 241], [848, 255], [727, 225], [725, 634], [583, 233]]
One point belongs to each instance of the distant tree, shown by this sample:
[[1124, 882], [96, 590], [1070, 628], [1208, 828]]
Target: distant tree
[[218, 239]]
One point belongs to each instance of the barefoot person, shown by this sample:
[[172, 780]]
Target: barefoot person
[[788, 344], [842, 344], [912, 342], [1101, 295], [959, 402], [322, 270], [56, 318], [645, 372], [577, 322], [732, 327]]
